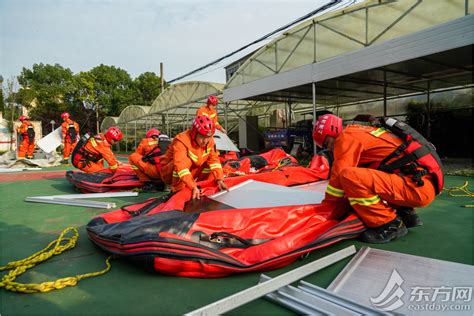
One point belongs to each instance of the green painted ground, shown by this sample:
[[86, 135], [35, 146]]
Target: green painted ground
[[27, 227]]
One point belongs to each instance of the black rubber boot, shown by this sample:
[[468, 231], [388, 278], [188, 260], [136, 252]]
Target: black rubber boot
[[409, 216], [385, 233]]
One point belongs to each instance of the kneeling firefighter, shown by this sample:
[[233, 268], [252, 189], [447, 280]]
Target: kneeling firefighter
[[381, 172], [90, 152], [145, 161], [192, 157]]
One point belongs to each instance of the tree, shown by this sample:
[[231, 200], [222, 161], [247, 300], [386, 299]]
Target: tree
[[148, 86], [113, 89], [10, 113], [104, 90], [46, 91]]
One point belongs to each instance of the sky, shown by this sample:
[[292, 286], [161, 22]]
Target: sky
[[136, 35]]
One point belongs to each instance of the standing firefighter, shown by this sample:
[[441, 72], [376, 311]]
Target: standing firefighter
[[70, 132], [90, 153], [192, 155], [210, 111], [27, 138], [381, 172], [145, 161]]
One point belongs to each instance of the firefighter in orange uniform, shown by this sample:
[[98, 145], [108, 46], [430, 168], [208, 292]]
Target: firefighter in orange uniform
[[192, 155], [89, 156], [381, 172], [70, 132], [210, 111], [27, 138], [145, 161]]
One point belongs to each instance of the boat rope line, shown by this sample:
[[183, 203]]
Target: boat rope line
[[56, 247]]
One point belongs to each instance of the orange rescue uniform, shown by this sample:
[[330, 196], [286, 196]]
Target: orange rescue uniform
[[372, 193], [68, 141], [185, 161], [146, 171], [210, 113], [27, 146], [99, 149]]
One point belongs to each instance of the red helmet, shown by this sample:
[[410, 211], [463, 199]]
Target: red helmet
[[212, 100], [327, 125], [113, 133], [65, 115], [202, 125], [153, 132], [22, 118]]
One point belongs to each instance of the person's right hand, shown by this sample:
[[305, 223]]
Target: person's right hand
[[196, 193]]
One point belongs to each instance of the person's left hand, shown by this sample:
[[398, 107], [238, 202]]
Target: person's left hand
[[221, 185]]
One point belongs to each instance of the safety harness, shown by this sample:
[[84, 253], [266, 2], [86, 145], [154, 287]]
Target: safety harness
[[30, 133], [416, 156], [80, 156], [71, 132], [153, 156]]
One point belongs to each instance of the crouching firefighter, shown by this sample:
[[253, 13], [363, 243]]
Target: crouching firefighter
[[381, 172], [27, 138], [192, 157], [70, 134], [145, 161], [90, 152]]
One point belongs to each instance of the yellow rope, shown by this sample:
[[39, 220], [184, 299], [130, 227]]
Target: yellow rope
[[461, 191], [54, 248]]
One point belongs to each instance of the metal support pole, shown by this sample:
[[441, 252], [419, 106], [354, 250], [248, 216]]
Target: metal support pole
[[289, 113], [225, 115], [163, 122], [162, 83], [314, 115], [126, 137], [428, 108], [135, 134], [384, 93], [259, 290], [185, 125]]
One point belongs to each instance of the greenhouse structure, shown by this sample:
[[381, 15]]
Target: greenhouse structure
[[375, 57]]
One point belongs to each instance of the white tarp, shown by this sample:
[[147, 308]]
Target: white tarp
[[254, 194], [51, 141], [223, 142], [8, 160]]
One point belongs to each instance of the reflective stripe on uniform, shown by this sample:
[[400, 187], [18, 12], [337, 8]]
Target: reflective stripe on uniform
[[365, 201], [192, 156], [93, 142], [212, 115], [378, 132], [114, 166], [206, 152], [215, 166], [134, 167], [175, 174], [205, 114], [206, 170], [183, 172], [334, 191], [153, 142]]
